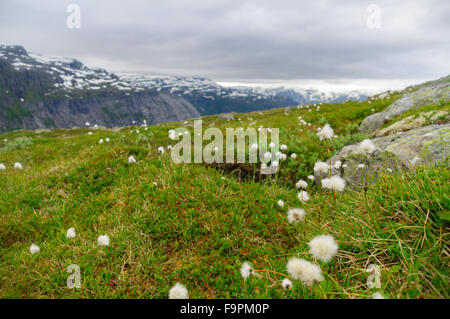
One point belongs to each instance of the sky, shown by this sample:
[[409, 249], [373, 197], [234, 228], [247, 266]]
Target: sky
[[327, 45]]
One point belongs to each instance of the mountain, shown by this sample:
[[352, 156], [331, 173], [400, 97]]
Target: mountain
[[42, 92]]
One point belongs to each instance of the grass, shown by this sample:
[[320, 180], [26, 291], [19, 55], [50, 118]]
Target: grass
[[195, 228]]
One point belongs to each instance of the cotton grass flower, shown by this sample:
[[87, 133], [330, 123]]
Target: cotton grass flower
[[2, 167], [321, 167], [280, 203], [161, 150], [178, 292], [286, 284], [34, 249], [293, 156], [71, 233], [326, 132], [337, 164], [295, 215], [377, 295], [89, 133], [103, 240], [361, 166], [172, 135], [367, 146], [303, 270], [101, 141], [301, 184], [246, 270], [311, 178], [267, 156], [18, 165], [107, 140], [283, 147], [254, 146], [303, 196], [334, 183], [323, 247], [131, 159]]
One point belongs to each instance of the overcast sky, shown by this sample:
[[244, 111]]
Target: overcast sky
[[319, 43]]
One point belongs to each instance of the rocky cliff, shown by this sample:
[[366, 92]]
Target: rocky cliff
[[38, 93]]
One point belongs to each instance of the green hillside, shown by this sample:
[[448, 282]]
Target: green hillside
[[197, 224]]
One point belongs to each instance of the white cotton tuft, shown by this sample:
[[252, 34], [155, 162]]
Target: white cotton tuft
[[334, 183], [267, 156], [377, 295], [303, 196], [101, 141], [172, 135], [34, 249], [89, 133], [361, 165], [293, 156], [311, 178], [323, 247], [367, 146], [246, 270], [280, 203], [103, 240], [131, 159], [178, 292], [107, 139], [321, 167], [303, 270], [161, 150], [254, 146], [283, 147], [71, 233], [337, 164], [301, 184], [17, 165], [286, 284], [2, 167], [271, 145], [326, 132], [295, 215]]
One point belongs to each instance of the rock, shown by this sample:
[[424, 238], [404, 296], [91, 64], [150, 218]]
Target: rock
[[426, 145], [226, 117], [432, 94], [415, 121]]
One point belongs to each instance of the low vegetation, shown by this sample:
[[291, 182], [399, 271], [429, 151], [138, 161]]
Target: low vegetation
[[196, 224]]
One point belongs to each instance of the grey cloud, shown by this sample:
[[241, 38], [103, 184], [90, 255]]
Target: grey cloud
[[241, 40]]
